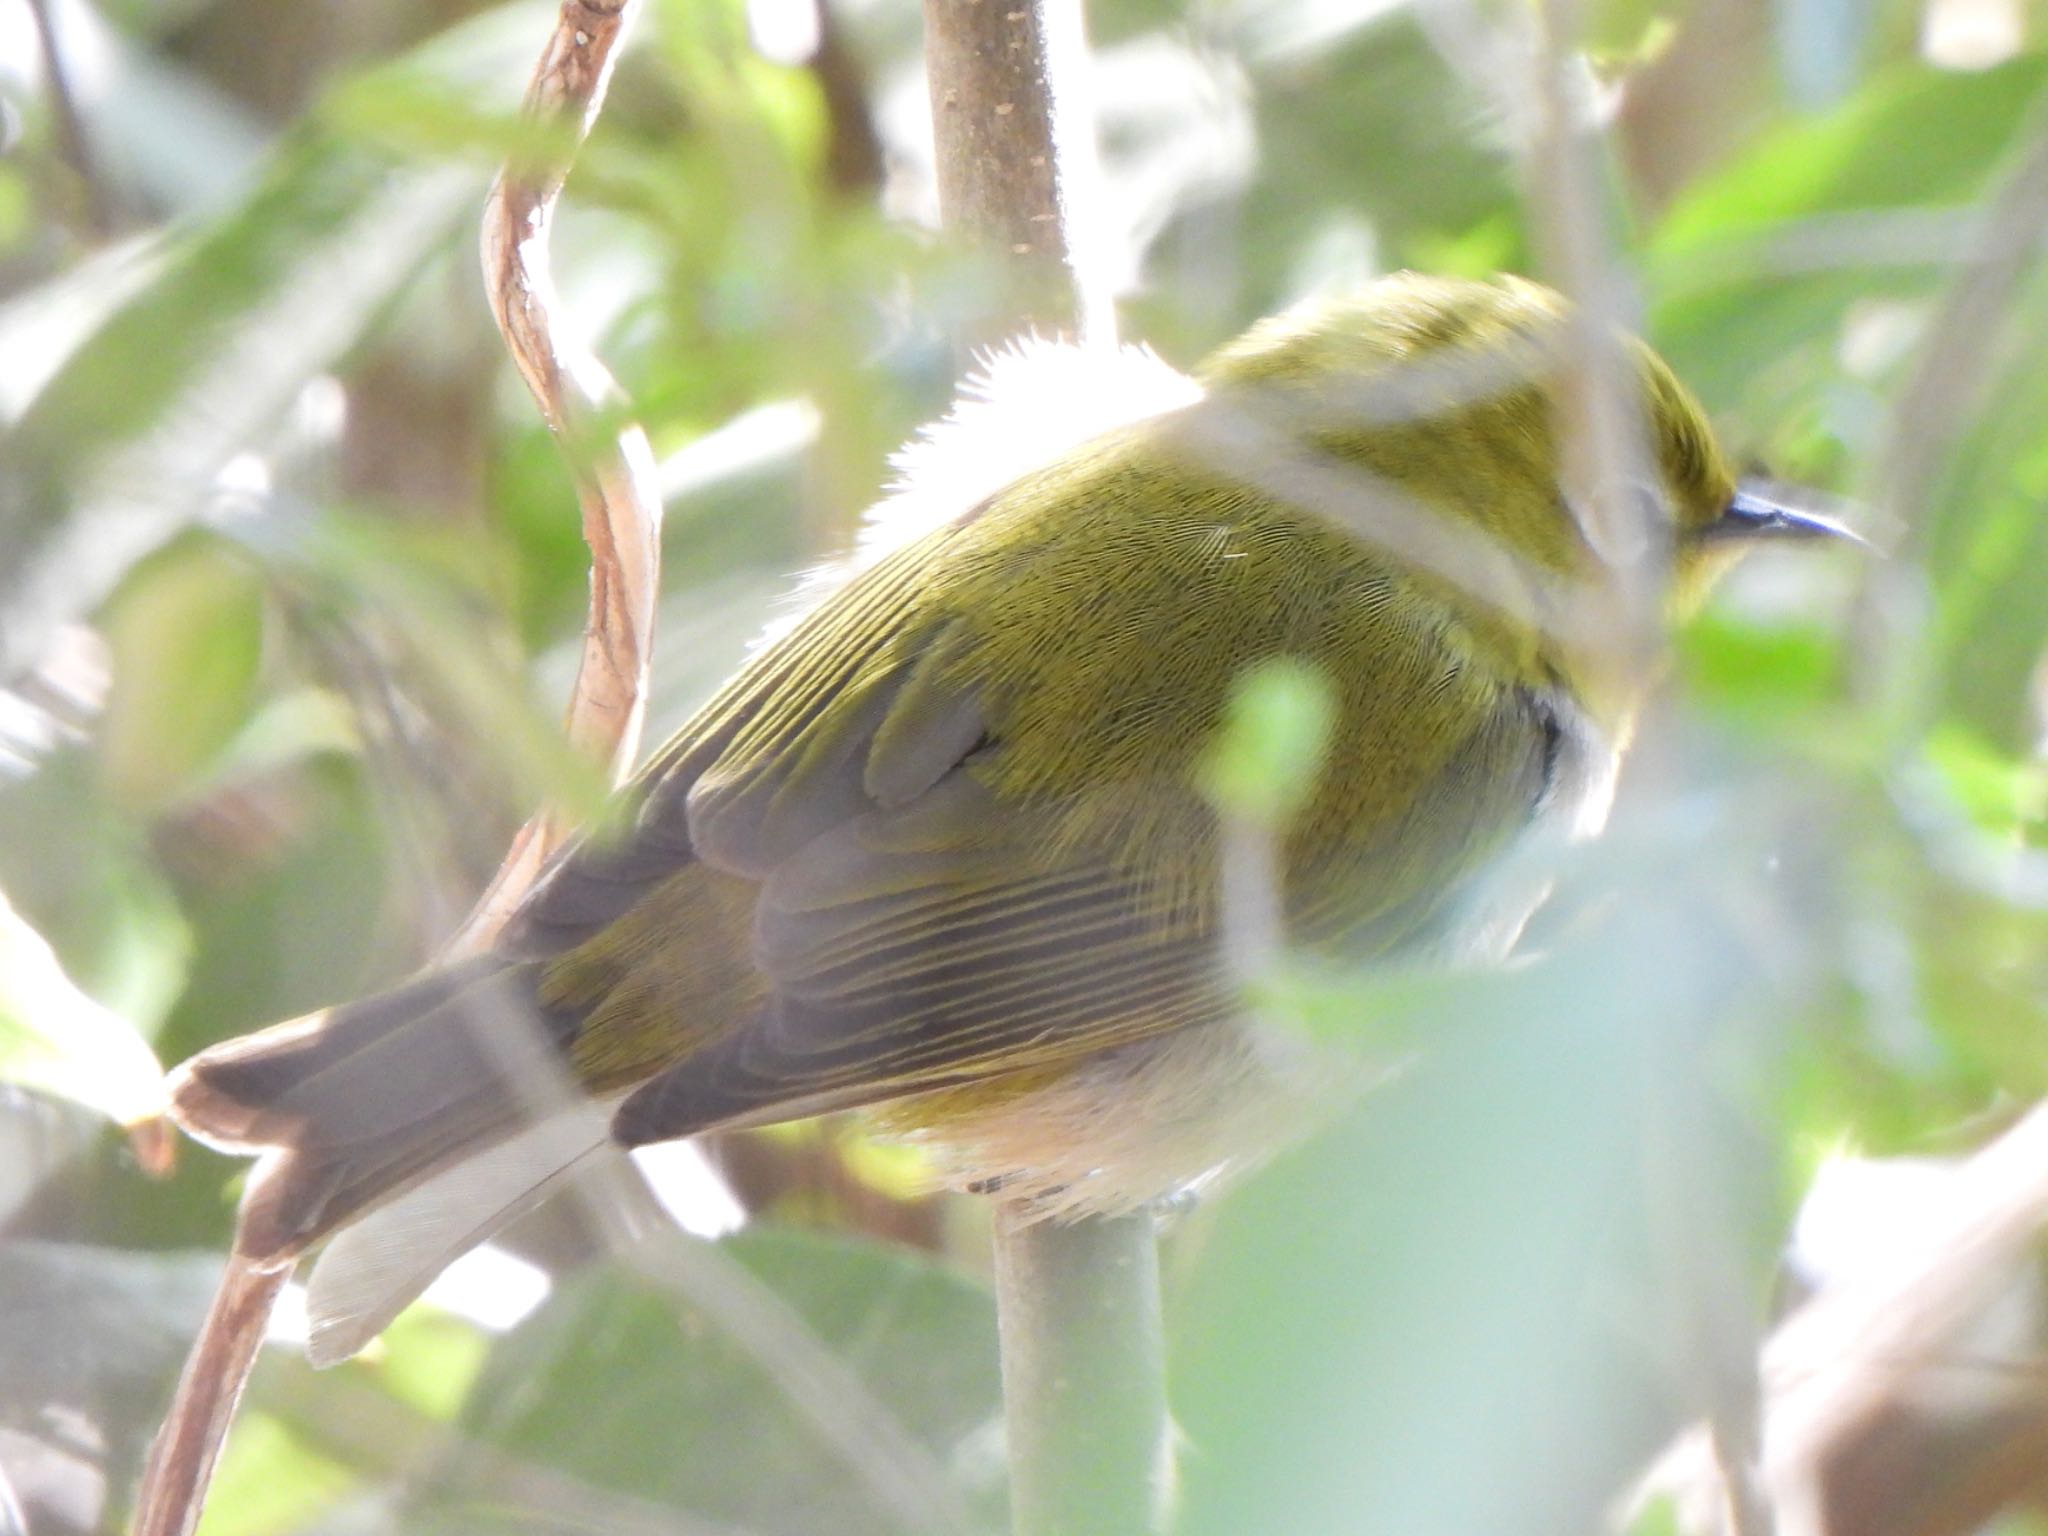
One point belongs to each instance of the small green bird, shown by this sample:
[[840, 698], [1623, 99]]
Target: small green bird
[[940, 846]]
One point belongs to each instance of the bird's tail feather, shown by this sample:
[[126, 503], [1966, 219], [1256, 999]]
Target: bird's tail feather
[[372, 1269], [361, 1101]]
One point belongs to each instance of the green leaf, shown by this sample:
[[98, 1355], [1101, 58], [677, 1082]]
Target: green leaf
[[271, 1480], [92, 1337], [643, 1395], [1762, 674], [1475, 1249], [55, 1038], [123, 445], [186, 636], [1914, 137], [429, 1360]]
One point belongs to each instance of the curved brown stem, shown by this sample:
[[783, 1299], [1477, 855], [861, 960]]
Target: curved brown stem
[[609, 455], [182, 1457]]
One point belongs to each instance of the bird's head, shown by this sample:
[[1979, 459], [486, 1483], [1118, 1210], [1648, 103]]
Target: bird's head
[[1443, 397]]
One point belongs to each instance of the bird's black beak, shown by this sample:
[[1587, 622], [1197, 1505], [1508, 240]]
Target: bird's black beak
[[1753, 514]]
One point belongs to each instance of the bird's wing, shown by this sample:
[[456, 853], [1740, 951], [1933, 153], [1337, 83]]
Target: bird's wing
[[930, 943], [786, 720], [901, 926], [911, 948]]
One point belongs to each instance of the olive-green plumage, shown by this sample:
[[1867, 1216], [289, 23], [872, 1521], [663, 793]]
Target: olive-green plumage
[[941, 844]]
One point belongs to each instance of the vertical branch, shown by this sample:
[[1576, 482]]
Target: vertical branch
[[1016, 157], [614, 472], [1084, 1382], [1083, 1354]]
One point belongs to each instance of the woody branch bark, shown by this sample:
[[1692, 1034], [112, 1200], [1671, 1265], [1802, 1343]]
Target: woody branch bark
[[613, 467], [1016, 160]]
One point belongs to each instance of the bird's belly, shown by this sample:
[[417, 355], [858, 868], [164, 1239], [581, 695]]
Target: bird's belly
[[1133, 1125]]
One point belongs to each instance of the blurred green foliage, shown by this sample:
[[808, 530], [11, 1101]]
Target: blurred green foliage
[[290, 581]]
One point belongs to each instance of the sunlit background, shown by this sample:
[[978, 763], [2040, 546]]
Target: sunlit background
[[291, 584]]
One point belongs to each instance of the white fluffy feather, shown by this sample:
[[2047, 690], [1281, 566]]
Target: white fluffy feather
[[1027, 403]]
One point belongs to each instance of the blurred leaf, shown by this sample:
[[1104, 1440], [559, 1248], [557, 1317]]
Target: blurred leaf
[[92, 1338], [186, 637], [1985, 542], [1462, 1308], [429, 1360], [1659, 1518], [454, 94], [14, 208], [54, 1037], [1911, 137], [271, 1480], [1762, 674], [123, 446], [898, 1169], [80, 1319], [1276, 733], [360, 582], [1765, 256], [597, 1382], [1328, 152], [2001, 795], [92, 887], [41, 328]]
